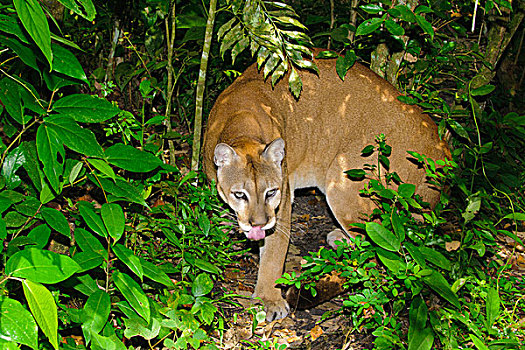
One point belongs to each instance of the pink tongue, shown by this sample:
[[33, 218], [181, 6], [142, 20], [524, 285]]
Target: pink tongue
[[255, 233]]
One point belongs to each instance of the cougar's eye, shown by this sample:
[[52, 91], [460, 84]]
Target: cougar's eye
[[271, 193], [240, 195]]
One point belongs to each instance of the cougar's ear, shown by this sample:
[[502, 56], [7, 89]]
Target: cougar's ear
[[275, 151], [224, 155]]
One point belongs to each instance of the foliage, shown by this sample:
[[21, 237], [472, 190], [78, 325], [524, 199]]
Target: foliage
[[419, 263], [67, 263], [141, 266], [273, 33]]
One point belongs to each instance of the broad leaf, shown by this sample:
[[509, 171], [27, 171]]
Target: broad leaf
[[202, 285], [439, 284], [131, 159], [91, 218], [369, 26], [383, 237], [86, 108], [130, 259], [133, 293], [493, 306], [52, 154], [41, 266], [17, 323], [156, 274], [43, 307], [35, 22], [89, 243], [12, 162], [40, 235], [56, 220], [73, 136], [97, 309], [114, 220], [66, 63], [88, 260]]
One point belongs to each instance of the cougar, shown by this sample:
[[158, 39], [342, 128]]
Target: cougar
[[261, 144]]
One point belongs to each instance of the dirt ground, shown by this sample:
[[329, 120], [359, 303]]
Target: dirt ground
[[303, 329]]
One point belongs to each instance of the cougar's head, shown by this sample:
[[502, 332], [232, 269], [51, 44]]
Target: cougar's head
[[250, 181]]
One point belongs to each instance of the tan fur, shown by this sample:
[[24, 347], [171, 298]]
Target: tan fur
[[323, 132]]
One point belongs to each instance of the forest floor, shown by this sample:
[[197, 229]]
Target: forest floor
[[308, 329], [302, 329]]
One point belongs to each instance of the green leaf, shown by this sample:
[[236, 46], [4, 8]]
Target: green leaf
[[404, 12], [422, 340], [102, 166], [415, 254], [515, 216], [44, 310], [66, 63], [122, 189], [12, 162], [73, 136], [138, 327], [75, 170], [356, 174], [493, 306], [439, 284], [114, 220], [32, 165], [426, 26], [88, 260], [295, 83], [91, 218], [23, 51], [406, 190], [133, 294], [89, 243], [56, 220], [371, 8], [383, 237], [398, 227], [89, 9], [97, 309], [202, 285], [207, 266], [457, 128], [40, 235], [86, 108], [392, 261], [34, 21], [130, 259], [483, 90], [369, 26], [17, 323], [394, 28], [480, 345], [50, 150], [436, 258], [131, 159], [417, 316], [420, 336], [41, 266], [12, 100], [156, 274]]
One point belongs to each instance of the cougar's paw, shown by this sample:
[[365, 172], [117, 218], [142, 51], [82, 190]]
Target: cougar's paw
[[276, 309], [336, 235]]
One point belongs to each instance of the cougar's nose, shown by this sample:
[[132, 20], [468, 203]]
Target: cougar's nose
[[259, 220]]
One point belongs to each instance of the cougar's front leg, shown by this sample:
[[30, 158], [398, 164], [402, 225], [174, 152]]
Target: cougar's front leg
[[271, 263]]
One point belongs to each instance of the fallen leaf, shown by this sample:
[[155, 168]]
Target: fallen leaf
[[451, 246], [316, 332]]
